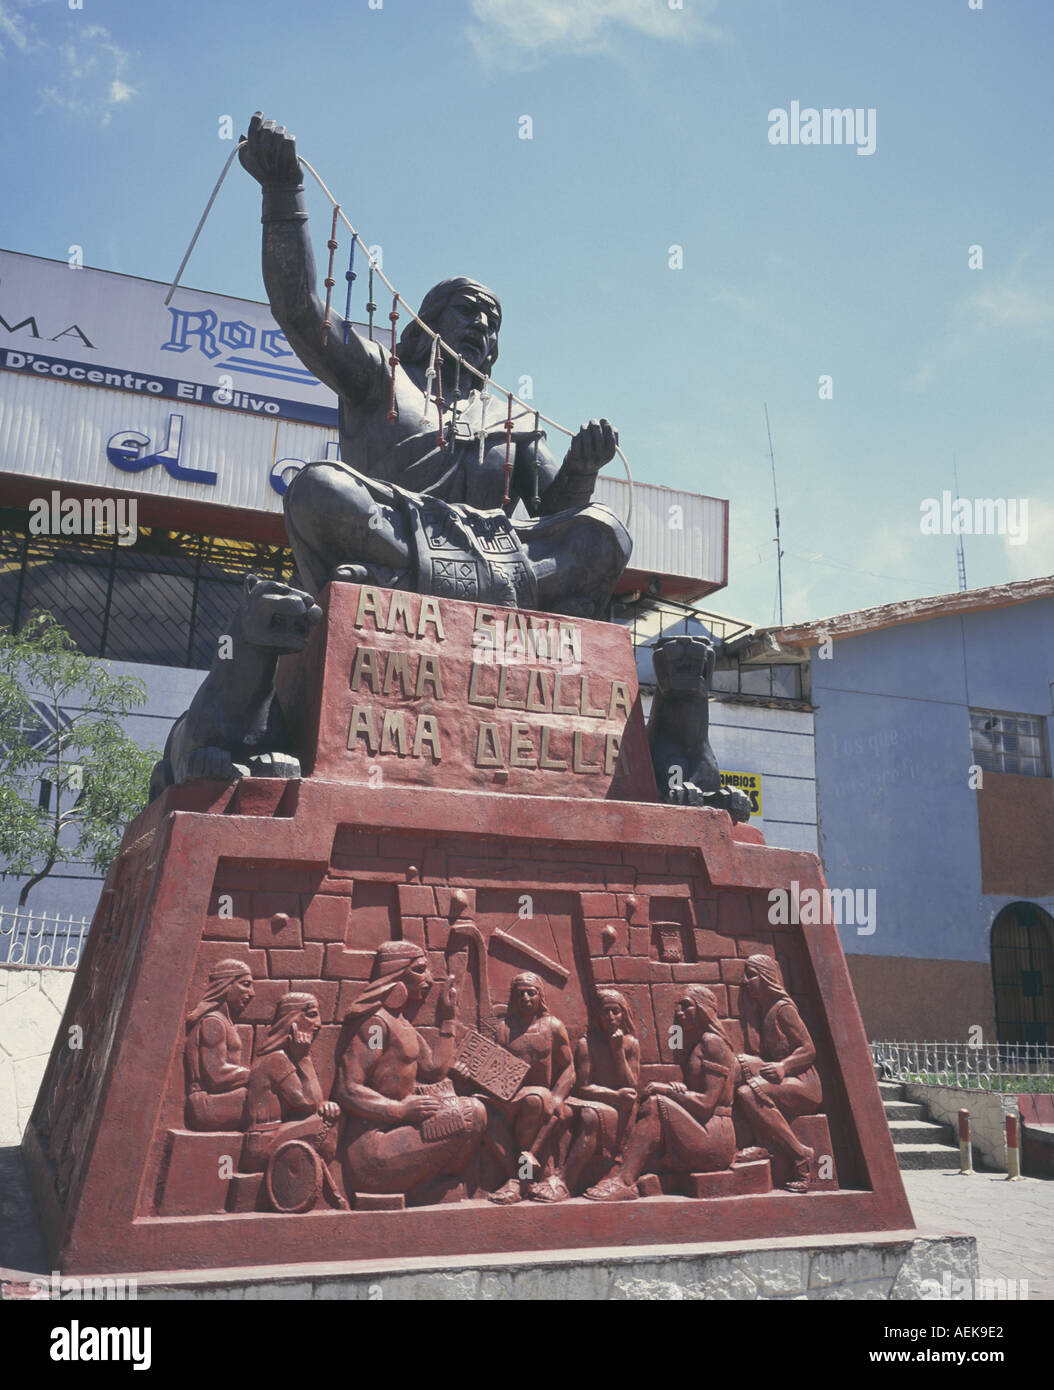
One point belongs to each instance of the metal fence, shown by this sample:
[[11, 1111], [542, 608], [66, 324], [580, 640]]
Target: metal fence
[[985, 1067], [42, 939]]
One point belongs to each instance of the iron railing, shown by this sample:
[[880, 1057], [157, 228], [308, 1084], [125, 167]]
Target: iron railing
[[999, 1066], [42, 939]]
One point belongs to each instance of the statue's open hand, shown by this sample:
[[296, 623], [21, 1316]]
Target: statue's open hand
[[592, 447], [270, 154], [329, 1110]]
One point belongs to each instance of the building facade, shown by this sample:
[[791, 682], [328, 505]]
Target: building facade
[[934, 723]]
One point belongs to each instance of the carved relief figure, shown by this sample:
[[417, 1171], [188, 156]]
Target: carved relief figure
[[686, 769], [607, 1077], [682, 1126], [216, 1072], [535, 1116], [781, 1083], [401, 1128], [284, 1101]]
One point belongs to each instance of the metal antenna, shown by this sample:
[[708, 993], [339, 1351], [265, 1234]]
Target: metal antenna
[[776, 503], [960, 550]]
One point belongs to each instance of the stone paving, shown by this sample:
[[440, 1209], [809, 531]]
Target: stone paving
[[1012, 1221]]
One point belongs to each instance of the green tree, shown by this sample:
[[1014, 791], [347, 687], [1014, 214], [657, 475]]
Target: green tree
[[70, 778]]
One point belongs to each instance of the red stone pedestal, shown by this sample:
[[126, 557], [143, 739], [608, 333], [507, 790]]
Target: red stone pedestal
[[304, 880]]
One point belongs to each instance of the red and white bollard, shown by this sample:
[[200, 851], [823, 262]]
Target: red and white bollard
[[1013, 1150], [965, 1146]]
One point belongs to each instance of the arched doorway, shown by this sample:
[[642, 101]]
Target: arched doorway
[[1023, 974]]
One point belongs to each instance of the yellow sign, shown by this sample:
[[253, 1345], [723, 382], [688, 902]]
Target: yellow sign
[[749, 782]]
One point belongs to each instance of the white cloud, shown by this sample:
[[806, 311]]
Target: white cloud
[[507, 28], [15, 33], [1035, 557], [91, 77], [1012, 305]]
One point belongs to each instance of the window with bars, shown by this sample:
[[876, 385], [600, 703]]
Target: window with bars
[[1008, 742], [164, 600]]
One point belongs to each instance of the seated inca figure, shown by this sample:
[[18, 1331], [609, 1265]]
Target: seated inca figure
[[216, 1071], [284, 1099], [781, 1082], [418, 502], [679, 729], [401, 1132], [527, 1127], [682, 1126], [234, 725], [604, 1100]]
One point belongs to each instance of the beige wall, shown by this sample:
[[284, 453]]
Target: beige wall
[[31, 1005]]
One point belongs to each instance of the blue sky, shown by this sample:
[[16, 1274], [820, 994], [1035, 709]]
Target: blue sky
[[650, 129]]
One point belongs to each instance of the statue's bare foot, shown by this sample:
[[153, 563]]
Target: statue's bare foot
[[552, 1189], [802, 1172], [350, 574], [507, 1194], [613, 1190], [752, 1155]]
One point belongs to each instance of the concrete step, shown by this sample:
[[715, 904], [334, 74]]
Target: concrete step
[[904, 1110], [927, 1156], [919, 1132], [890, 1090]]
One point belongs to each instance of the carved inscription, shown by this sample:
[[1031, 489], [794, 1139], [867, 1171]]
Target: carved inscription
[[517, 662]]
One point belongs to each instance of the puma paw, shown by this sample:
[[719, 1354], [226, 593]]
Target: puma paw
[[212, 765], [274, 765]]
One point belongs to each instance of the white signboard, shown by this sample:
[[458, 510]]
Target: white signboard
[[114, 331]]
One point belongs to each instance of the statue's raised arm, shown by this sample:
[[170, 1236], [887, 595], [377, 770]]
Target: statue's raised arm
[[289, 272]]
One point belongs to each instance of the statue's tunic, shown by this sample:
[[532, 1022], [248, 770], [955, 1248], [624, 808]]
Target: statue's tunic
[[463, 545]]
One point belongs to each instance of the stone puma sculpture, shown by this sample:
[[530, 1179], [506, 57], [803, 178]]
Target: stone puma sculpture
[[679, 729], [234, 726]]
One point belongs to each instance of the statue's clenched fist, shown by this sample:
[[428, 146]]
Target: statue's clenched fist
[[592, 447], [269, 154]]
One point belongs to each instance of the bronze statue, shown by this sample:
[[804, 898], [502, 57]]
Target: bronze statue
[[682, 1126], [404, 1127], [235, 726], [417, 504], [686, 769], [534, 1117], [216, 1072], [781, 1083]]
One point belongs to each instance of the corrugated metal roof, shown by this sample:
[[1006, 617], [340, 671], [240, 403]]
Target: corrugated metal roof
[[58, 432]]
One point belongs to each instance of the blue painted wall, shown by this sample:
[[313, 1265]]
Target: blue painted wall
[[896, 810]]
